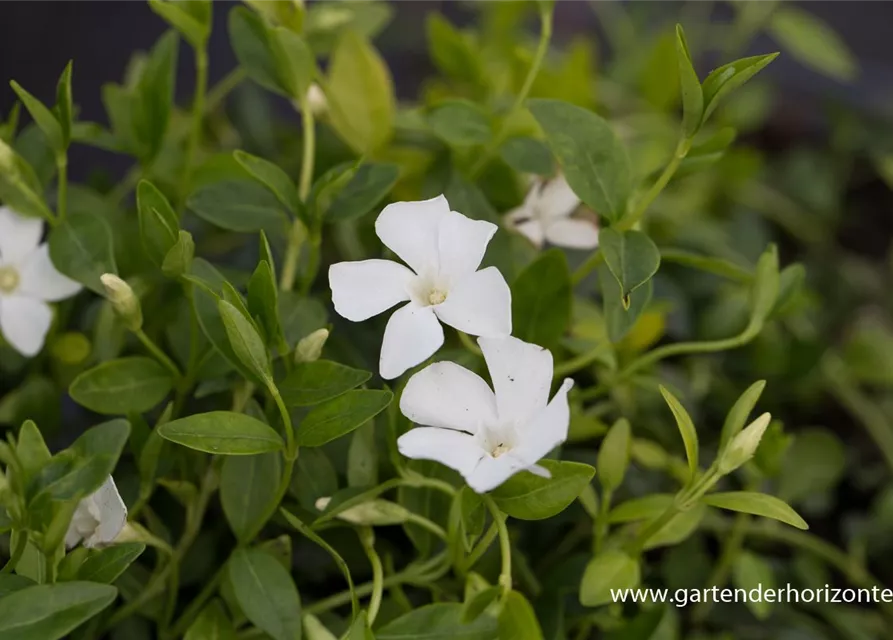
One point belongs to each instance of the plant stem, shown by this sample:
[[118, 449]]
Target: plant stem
[[481, 547], [290, 448], [595, 258], [541, 50], [505, 544], [17, 551], [367, 539], [469, 344], [156, 351], [732, 545], [61, 186], [428, 525], [298, 233], [663, 180], [198, 111], [600, 527], [578, 362]]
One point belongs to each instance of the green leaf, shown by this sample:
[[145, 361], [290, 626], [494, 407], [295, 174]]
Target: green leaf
[[758, 504], [527, 155], [644, 508], [263, 302], [791, 282], [678, 528], [750, 572], [686, 429], [453, 52], [813, 43], [158, 221], [191, 19], [155, 93], [517, 619], [51, 611], [360, 94], [31, 450], [740, 411], [106, 565], [690, 85], [764, 291], [81, 248], [725, 79], [245, 341], [619, 318], [593, 159], [437, 621], [19, 187], [43, 118], [527, 496], [212, 624], [10, 582], [266, 593], [64, 110], [613, 455], [541, 300], [340, 416], [632, 257], [117, 387], [475, 606], [460, 123], [813, 465], [706, 152], [238, 205], [245, 490], [295, 64], [368, 187], [314, 382], [222, 432], [314, 477], [272, 177], [251, 41], [178, 261], [611, 569], [362, 457]]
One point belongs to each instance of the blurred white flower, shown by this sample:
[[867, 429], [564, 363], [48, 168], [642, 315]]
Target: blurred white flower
[[487, 437], [98, 518], [444, 250], [28, 280], [546, 213], [316, 100]]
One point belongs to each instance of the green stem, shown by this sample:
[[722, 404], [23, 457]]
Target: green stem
[[578, 362], [663, 180], [595, 258], [198, 111], [290, 447], [17, 551], [156, 351], [481, 547], [367, 539], [312, 262], [505, 544], [600, 527], [414, 480], [49, 569], [428, 525], [732, 545], [62, 186], [192, 365], [841, 385], [309, 154], [469, 344], [541, 50]]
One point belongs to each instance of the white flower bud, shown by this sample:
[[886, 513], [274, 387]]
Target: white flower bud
[[124, 300], [744, 445], [309, 348], [316, 100], [372, 513]]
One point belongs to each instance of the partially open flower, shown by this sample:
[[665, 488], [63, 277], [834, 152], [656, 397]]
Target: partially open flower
[[444, 250], [485, 436], [28, 280], [98, 518], [546, 213]]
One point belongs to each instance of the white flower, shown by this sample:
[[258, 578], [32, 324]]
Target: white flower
[[316, 100], [487, 437], [28, 280], [444, 250], [546, 215], [98, 518]]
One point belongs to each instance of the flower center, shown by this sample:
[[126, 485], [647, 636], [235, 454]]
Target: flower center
[[9, 279], [436, 296], [499, 449]]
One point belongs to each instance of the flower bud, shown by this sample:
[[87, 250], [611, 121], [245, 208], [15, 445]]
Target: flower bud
[[316, 100], [124, 301], [309, 348], [372, 513], [744, 445]]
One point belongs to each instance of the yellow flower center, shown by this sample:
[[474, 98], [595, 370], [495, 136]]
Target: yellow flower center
[[436, 296], [9, 279], [499, 450]]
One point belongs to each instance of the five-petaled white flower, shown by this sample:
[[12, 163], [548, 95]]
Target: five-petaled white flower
[[98, 518], [444, 250], [28, 280], [546, 213], [487, 437]]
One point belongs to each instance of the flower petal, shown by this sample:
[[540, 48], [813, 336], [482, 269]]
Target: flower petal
[[462, 243], [412, 335], [24, 323], [574, 234], [364, 289], [19, 236], [521, 374], [112, 514], [546, 430], [479, 304], [557, 199], [532, 230], [40, 279], [409, 229], [454, 449], [492, 472], [448, 396]]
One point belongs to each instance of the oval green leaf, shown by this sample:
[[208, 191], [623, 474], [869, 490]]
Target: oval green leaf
[[340, 416], [222, 432], [758, 504], [122, 386], [314, 382], [610, 570], [527, 496], [81, 248], [266, 593], [51, 611]]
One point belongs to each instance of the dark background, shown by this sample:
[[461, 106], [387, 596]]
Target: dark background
[[37, 38]]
